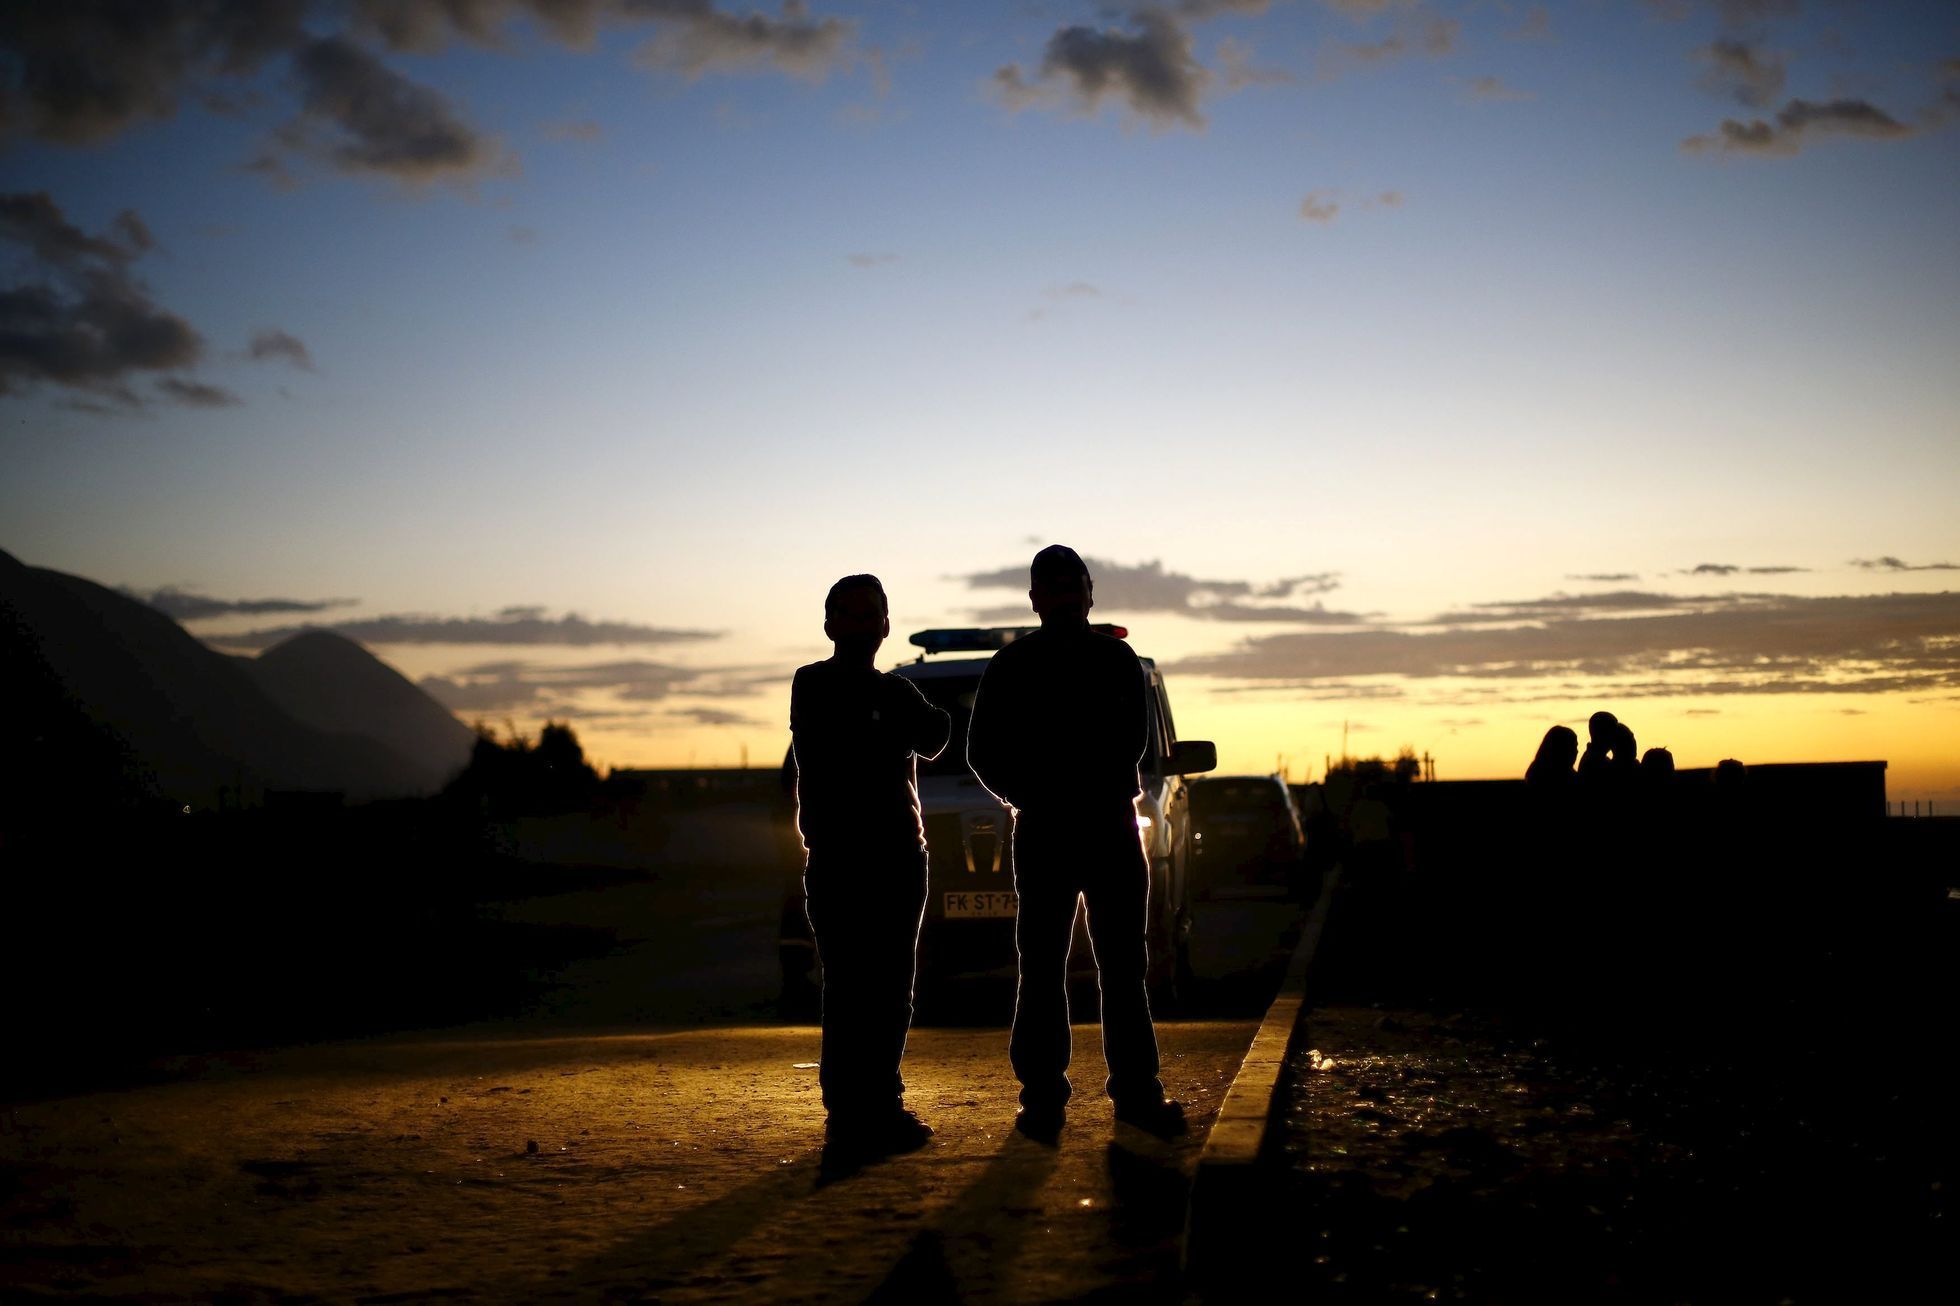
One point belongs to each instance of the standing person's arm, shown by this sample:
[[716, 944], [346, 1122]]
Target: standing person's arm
[[989, 736], [920, 727], [1123, 718], [1136, 707], [799, 720], [802, 751]]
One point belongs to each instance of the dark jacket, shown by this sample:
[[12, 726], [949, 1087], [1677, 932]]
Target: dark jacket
[[856, 732], [1060, 721]]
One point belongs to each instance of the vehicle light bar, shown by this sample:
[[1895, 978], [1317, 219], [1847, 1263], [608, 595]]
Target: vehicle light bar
[[990, 639]]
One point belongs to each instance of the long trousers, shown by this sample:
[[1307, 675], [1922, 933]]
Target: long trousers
[[865, 908], [1096, 855]]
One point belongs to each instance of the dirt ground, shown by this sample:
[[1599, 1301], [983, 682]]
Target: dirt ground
[[678, 1166], [1461, 1156], [677, 1130]]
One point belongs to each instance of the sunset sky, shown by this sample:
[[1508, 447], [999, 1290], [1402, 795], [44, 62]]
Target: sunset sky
[[1443, 369]]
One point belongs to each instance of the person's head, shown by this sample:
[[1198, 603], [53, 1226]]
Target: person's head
[[1657, 761], [856, 617], [1558, 750], [1059, 586], [1623, 744], [1600, 728]]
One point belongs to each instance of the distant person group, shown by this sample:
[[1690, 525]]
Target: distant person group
[[1059, 725], [1611, 757]]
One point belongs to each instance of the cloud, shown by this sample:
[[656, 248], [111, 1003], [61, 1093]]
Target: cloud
[[1148, 587], [1612, 603], [1537, 26], [1606, 576], [1235, 62], [1497, 90], [1203, 9], [196, 394], [270, 343], [1734, 644], [1735, 15], [79, 73], [555, 690], [870, 259], [1361, 10], [426, 27], [1324, 206], [85, 321], [1797, 124], [1730, 569], [186, 605], [1150, 69], [363, 117], [697, 39], [715, 716], [1320, 206], [1074, 290], [1736, 69], [1419, 34], [522, 235], [515, 625], [1890, 563]]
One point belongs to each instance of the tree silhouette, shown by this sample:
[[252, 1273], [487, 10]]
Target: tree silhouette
[[517, 776]]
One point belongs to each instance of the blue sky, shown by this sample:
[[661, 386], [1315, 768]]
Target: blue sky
[[1441, 299]]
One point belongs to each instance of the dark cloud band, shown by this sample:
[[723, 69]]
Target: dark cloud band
[[1744, 643], [1148, 587], [512, 626], [185, 605]]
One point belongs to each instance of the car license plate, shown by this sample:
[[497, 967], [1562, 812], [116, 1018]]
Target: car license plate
[[995, 905]]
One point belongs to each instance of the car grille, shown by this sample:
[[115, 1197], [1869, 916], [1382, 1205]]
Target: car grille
[[970, 850]]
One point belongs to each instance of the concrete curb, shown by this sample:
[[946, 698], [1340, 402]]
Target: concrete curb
[[1229, 1209]]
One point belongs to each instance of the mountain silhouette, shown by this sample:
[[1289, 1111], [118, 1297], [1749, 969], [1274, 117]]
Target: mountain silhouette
[[330, 682], [118, 701]]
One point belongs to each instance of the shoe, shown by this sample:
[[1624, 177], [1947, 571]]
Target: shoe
[[877, 1135], [905, 1132], [1163, 1118], [1041, 1123]]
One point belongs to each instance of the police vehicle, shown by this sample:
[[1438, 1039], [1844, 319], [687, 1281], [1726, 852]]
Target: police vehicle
[[970, 903]]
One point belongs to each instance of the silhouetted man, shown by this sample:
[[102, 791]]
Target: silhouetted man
[[1611, 754], [857, 731], [1059, 723]]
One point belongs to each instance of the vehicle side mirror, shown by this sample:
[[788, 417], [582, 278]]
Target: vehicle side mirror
[[1192, 757]]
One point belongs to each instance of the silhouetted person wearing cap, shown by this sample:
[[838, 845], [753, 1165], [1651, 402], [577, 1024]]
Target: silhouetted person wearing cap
[[1059, 724], [857, 732]]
